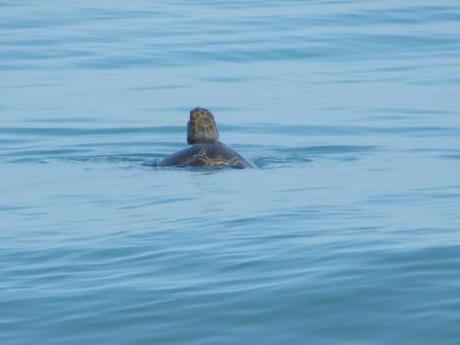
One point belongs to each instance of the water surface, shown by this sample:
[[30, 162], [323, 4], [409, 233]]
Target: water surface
[[347, 232]]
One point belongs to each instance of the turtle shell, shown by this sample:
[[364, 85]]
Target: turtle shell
[[213, 154]]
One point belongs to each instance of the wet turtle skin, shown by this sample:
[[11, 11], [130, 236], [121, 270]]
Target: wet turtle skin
[[201, 127], [204, 148]]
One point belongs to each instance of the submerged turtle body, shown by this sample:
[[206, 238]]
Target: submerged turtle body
[[205, 149]]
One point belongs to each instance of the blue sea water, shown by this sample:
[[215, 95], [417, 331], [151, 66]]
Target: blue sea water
[[347, 232]]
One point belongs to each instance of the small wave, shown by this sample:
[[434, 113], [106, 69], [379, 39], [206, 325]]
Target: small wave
[[454, 157], [263, 156], [74, 131], [328, 149]]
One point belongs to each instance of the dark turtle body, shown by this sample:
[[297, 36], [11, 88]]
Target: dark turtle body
[[213, 154], [205, 149]]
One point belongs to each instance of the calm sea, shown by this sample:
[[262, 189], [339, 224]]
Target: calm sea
[[347, 232]]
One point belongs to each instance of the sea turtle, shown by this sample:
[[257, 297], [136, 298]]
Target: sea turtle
[[205, 148]]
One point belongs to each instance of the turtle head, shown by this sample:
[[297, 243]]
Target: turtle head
[[201, 127]]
